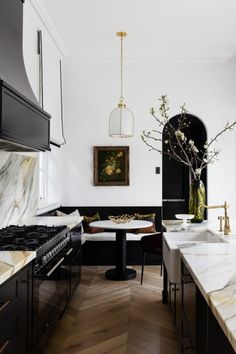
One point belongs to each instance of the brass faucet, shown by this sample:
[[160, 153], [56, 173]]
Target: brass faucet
[[221, 218]]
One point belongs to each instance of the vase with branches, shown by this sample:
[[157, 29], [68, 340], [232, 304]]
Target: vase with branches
[[178, 145]]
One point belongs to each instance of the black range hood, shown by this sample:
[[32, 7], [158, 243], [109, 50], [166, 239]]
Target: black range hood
[[24, 126]]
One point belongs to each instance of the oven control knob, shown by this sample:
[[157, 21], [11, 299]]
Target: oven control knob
[[44, 259]]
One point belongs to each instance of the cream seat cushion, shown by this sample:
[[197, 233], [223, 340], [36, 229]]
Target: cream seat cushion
[[110, 236]]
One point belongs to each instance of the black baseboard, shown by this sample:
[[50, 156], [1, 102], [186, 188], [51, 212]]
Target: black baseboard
[[103, 253]]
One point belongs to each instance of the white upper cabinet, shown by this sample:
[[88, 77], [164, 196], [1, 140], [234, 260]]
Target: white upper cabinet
[[35, 19], [52, 87]]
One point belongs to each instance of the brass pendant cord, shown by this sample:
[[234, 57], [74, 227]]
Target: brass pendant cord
[[121, 120], [121, 70]]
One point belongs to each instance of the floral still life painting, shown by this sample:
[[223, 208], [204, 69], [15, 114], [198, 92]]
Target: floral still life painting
[[111, 165]]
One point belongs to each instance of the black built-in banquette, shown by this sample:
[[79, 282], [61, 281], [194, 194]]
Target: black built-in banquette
[[99, 252]]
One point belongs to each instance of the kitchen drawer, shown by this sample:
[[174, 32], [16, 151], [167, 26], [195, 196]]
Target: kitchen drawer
[[186, 337], [9, 293], [9, 332]]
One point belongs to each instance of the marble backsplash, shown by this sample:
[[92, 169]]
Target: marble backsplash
[[18, 187]]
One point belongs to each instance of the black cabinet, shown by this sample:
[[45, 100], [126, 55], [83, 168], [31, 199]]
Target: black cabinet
[[172, 300], [64, 280], [178, 307], [9, 334], [217, 342], [172, 295], [75, 258], [75, 270], [188, 313], [15, 313], [200, 330]]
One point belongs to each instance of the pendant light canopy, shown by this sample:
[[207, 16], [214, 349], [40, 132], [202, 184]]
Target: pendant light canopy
[[121, 121]]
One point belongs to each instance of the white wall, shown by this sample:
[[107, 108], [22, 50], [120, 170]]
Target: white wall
[[91, 91]]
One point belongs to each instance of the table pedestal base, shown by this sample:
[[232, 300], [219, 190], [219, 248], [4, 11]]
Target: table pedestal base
[[113, 274]]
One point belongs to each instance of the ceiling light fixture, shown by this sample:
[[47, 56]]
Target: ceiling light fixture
[[121, 121]]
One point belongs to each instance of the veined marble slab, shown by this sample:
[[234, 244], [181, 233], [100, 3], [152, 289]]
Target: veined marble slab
[[12, 261], [213, 267], [18, 187]]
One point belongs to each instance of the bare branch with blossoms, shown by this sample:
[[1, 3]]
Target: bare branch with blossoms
[[177, 145]]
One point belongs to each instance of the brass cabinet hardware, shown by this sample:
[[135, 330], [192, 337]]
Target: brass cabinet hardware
[[3, 347], [70, 250], [3, 306]]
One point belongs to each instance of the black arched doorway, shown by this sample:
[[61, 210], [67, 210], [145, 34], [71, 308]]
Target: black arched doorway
[[176, 176]]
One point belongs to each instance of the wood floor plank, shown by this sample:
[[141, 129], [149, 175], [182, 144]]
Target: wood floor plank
[[109, 317], [114, 345]]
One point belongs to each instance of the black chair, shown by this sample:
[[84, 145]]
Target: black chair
[[151, 244]]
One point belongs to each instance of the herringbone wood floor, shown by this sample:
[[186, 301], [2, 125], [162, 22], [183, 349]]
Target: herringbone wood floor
[[109, 317]]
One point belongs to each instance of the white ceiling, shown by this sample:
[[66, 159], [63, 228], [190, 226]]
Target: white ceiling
[[156, 28]]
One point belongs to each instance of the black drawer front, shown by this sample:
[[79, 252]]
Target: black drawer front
[[9, 341], [9, 293]]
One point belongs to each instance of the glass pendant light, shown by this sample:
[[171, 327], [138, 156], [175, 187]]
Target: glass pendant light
[[121, 121]]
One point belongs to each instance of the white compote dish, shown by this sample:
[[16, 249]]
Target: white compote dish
[[185, 218]]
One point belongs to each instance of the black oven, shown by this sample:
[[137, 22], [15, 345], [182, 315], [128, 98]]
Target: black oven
[[53, 286], [51, 291]]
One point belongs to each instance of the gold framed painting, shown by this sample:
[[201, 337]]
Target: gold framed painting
[[111, 165]]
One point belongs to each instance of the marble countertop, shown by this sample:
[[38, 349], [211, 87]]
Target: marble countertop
[[12, 261], [177, 226], [213, 267], [210, 225], [69, 221]]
